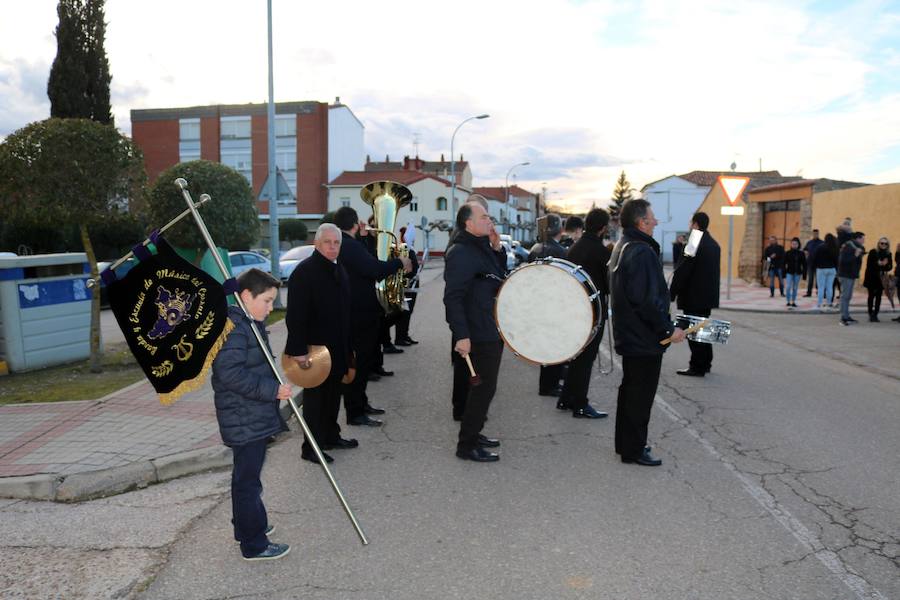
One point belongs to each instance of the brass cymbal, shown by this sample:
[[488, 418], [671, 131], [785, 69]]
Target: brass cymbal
[[319, 361]]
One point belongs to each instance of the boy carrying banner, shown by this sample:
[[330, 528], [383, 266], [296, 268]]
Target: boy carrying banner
[[246, 397]]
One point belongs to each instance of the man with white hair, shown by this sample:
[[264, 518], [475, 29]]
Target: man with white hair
[[318, 313]]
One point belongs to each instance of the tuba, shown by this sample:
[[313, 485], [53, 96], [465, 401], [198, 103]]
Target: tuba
[[386, 199]]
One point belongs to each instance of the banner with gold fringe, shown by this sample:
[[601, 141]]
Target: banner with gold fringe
[[174, 317]]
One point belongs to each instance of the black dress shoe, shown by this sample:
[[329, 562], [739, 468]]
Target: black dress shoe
[[646, 459], [588, 412], [563, 405], [311, 457], [410, 341], [382, 373], [365, 420], [340, 444], [555, 392], [391, 349], [401, 343], [690, 372], [371, 410], [374, 377], [486, 442], [478, 455]]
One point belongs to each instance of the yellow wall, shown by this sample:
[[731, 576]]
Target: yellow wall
[[718, 228], [875, 210]]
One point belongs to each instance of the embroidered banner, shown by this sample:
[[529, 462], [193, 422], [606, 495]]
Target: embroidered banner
[[174, 317]]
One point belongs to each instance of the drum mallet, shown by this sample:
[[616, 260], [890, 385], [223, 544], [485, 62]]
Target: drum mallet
[[474, 379]]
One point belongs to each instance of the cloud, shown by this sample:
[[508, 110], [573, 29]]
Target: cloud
[[23, 87]]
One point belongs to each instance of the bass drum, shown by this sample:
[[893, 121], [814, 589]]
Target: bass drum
[[547, 311]]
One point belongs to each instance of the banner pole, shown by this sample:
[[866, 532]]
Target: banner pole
[[204, 198], [182, 184]]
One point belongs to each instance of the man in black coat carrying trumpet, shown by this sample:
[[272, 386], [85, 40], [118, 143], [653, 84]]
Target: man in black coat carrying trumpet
[[472, 276]]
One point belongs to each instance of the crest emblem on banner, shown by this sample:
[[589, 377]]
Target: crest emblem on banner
[[174, 318]]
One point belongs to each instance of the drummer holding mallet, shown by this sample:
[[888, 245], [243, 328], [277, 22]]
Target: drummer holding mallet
[[472, 276], [318, 313]]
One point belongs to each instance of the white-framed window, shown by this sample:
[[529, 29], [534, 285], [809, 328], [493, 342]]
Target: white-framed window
[[414, 204], [441, 203], [188, 139], [231, 128], [345, 200], [285, 125]]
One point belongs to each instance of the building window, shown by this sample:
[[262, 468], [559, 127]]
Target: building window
[[286, 126], [235, 149], [345, 201], [233, 128], [188, 139], [442, 203], [414, 204]]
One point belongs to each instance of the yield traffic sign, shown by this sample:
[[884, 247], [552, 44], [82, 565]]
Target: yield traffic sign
[[733, 186]]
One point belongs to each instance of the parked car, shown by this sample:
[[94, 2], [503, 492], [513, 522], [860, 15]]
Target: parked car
[[506, 242], [244, 259], [520, 252], [292, 258]]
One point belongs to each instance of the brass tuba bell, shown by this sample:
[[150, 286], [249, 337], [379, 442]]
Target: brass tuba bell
[[386, 199]]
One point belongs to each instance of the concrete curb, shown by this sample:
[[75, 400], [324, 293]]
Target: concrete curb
[[89, 485]]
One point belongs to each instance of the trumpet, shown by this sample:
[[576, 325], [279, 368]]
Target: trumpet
[[386, 199]]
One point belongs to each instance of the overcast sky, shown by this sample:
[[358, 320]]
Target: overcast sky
[[581, 89]]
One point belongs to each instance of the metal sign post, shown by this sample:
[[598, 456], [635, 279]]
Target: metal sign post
[[733, 187]]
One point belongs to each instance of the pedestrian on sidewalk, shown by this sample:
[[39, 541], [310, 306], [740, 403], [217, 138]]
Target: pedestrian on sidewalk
[[897, 276], [809, 250], [844, 233], [794, 268], [826, 268], [849, 264], [878, 269], [774, 253], [246, 394]]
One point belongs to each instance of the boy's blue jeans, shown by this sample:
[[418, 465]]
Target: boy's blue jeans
[[247, 509]]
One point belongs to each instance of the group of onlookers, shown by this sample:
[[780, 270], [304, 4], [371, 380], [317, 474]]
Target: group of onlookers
[[834, 264]]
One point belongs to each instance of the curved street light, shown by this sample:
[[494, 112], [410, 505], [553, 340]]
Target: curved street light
[[453, 162]]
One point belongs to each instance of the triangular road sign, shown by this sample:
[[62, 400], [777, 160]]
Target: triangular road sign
[[733, 187]]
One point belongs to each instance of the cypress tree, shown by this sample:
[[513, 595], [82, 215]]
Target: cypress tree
[[79, 78]]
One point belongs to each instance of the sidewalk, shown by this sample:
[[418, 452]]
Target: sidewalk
[[69, 451]]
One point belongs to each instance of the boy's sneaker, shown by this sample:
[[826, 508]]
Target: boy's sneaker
[[269, 531], [272, 552], [845, 322]]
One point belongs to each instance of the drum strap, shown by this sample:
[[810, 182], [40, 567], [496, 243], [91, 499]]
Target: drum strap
[[615, 267], [490, 276]]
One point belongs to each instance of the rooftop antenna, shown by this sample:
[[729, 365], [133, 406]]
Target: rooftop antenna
[[416, 139]]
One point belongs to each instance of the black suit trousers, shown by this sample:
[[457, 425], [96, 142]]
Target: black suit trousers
[[460, 384], [578, 378], [486, 362], [364, 341], [640, 376], [321, 405], [550, 377], [701, 354]]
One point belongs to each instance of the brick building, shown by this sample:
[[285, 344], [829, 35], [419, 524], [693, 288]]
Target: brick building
[[315, 142]]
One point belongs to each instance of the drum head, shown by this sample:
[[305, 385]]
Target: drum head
[[544, 313]]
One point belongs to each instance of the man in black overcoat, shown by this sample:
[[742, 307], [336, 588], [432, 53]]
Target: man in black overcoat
[[591, 254], [640, 316], [318, 313], [695, 286], [364, 270]]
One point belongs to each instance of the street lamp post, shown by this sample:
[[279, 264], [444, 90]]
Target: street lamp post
[[453, 162], [508, 173]]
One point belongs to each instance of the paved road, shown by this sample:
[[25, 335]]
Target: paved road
[[779, 481]]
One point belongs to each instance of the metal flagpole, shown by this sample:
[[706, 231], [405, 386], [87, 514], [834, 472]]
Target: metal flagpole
[[204, 198], [182, 184]]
